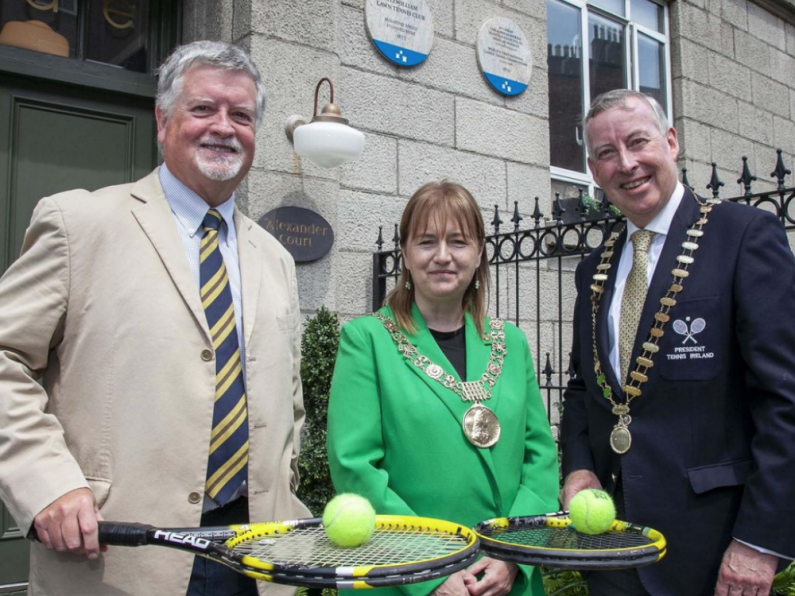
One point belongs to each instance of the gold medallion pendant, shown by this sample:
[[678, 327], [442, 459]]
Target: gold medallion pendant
[[481, 426], [620, 439]]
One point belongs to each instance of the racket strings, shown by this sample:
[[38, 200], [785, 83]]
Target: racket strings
[[567, 538], [310, 547]]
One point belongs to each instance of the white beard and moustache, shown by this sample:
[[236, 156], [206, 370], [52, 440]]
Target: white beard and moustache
[[221, 167]]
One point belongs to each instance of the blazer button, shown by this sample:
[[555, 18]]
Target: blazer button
[[207, 355], [194, 498]]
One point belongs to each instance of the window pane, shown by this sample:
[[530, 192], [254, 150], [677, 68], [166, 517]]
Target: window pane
[[48, 26], [606, 67], [564, 60], [118, 33], [614, 6], [648, 14], [651, 64]]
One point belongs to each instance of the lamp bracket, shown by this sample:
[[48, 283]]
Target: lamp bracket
[[291, 124]]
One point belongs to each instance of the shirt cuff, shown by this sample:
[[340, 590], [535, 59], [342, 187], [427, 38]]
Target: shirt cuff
[[764, 550]]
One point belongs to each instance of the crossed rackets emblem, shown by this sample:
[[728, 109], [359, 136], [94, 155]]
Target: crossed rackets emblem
[[682, 328]]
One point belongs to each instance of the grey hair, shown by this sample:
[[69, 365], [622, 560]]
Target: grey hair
[[617, 98], [212, 53]]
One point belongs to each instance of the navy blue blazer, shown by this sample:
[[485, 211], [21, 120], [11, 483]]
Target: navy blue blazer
[[713, 434]]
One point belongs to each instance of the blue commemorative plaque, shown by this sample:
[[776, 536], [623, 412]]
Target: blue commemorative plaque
[[401, 30], [504, 56]]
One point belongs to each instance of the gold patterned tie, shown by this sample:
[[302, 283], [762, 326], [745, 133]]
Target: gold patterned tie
[[634, 298], [228, 463]]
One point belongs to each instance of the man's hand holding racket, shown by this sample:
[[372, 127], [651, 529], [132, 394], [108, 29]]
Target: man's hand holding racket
[[70, 524], [575, 482]]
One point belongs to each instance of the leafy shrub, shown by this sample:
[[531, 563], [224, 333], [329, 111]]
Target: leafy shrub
[[560, 582], [319, 345], [784, 582]]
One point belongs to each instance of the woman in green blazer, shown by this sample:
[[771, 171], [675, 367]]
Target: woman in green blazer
[[404, 431]]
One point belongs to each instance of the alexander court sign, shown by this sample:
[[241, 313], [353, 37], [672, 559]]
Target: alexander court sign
[[304, 233]]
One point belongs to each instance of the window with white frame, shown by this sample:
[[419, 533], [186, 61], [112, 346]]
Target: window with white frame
[[626, 46]]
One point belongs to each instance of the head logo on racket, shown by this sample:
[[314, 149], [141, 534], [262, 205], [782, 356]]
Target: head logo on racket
[[184, 539]]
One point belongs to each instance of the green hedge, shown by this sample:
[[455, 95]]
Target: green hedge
[[319, 345]]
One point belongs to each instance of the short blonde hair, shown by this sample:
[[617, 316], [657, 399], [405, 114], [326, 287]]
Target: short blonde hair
[[440, 201], [617, 98]]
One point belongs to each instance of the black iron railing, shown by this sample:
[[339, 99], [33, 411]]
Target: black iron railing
[[539, 262]]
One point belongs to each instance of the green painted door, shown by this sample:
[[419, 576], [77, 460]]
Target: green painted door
[[55, 137]]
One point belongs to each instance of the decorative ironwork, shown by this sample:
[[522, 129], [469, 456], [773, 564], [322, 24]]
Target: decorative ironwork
[[780, 172], [516, 217], [558, 210], [747, 177], [537, 215], [715, 182], [544, 255], [380, 242]]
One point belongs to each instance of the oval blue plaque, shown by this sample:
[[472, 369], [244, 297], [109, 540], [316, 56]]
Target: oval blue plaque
[[504, 56], [402, 30], [304, 233]]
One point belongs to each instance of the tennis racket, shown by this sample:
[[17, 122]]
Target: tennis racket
[[402, 550], [550, 540]]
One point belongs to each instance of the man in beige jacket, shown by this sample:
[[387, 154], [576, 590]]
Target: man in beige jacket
[[111, 375]]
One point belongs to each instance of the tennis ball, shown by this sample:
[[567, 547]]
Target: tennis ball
[[592, 511], [349, 520]]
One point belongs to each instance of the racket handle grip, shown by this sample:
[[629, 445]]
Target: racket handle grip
[[119, 534]]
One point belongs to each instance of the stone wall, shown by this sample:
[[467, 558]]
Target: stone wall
[[733, 66], [439, 119]]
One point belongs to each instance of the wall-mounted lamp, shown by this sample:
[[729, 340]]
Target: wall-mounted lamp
[[327, 140]]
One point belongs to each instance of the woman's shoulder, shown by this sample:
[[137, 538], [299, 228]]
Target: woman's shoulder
[[367, 324]]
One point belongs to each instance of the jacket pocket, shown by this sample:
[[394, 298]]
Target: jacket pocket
[[101, 490], [691, 348], [288, 322], [732, 473]]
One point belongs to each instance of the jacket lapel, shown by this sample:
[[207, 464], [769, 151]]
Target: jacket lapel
[[686, 214], [250, 271], [478, 352], [602, 319], [427, 346], [478, 357], [155, 218]]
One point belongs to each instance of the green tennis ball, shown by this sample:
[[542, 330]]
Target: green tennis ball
[[349, 520], [592, 511]]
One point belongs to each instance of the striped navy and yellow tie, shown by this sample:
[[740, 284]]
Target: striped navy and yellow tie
[[228, 464]]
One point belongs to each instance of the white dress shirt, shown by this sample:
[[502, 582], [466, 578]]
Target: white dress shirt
[[660, 226], [189, 209]]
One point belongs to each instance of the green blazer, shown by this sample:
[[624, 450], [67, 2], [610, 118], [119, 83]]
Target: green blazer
[[395, 434]]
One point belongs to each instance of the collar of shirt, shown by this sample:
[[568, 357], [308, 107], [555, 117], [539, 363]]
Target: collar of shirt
[[190, 209], [662, 221], [660, 226]]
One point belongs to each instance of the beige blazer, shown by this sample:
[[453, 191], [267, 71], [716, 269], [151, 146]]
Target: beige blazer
[[102, 308]]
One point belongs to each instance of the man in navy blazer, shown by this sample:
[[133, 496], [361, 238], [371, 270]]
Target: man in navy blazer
[[705, 449]]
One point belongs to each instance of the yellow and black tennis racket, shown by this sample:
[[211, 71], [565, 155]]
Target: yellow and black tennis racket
[[552, 541], [402, 550]]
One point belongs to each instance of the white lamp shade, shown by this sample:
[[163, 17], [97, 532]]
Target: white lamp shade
[[328, 144]]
